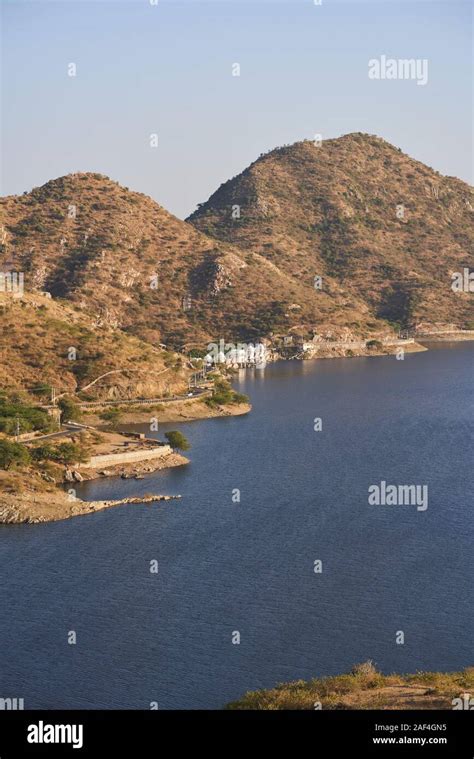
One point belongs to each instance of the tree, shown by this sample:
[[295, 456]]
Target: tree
[[13, 409], [13, 453], [42, 389], [177, 441], [111, 415], [71, 412], [224, 394], [64, 453], [374, 344]]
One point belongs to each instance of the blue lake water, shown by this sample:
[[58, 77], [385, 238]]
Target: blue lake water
[[248, 566]]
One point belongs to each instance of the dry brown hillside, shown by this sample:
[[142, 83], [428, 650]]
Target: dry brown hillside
[[358, 211], [43, 341], [130, 264], [383, 231]]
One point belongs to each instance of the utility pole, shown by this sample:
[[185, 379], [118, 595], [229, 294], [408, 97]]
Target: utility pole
[[57, 416], [17, 429]]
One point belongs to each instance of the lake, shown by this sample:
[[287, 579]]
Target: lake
[[248, 567]]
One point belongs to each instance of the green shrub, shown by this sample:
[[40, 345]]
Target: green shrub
[[224, 394], [240, 398], [71, 412], [29, 418], [64, 453], [111, 415], [13, 454], [177, 440], [42, 389]]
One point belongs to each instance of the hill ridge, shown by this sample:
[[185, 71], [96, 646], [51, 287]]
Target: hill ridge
[[359, 210]]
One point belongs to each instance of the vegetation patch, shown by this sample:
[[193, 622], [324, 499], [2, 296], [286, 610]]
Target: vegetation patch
[[364, 688], [224, 394]]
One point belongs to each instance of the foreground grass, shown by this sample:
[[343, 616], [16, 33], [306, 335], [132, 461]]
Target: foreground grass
[[364, 688]]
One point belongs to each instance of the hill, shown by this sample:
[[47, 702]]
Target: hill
[[48, 343], [383, 232], [361, 214], [129, 264]]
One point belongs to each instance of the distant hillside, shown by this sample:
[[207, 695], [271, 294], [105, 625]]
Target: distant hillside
[[128, 263], [365, 688], [383, 231], [359, 212]]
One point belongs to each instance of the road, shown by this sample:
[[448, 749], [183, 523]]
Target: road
[[75, 428], [137, 401]]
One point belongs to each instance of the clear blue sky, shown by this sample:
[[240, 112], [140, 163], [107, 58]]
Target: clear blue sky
[[143, 69]]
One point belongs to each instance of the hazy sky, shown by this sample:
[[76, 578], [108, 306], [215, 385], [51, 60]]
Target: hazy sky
[[167, 69]]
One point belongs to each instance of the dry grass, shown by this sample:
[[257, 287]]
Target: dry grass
[[37, 333], [364, 690]]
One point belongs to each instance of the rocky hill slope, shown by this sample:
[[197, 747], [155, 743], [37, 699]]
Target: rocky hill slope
[[130, 264], [360, 213], [45, 342], [113, 276], [383, 232]]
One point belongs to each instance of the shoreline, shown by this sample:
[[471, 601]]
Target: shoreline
[[182, 411], [420, 344], [454, 337], [337, 352], [24, 500], [50, 503], [53, 504], [140, 468], [40, 508]]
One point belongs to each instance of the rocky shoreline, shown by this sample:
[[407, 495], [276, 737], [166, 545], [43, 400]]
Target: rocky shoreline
[[183, 411], [137, 470], [33, 506], [36, 499], [36, 508]]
